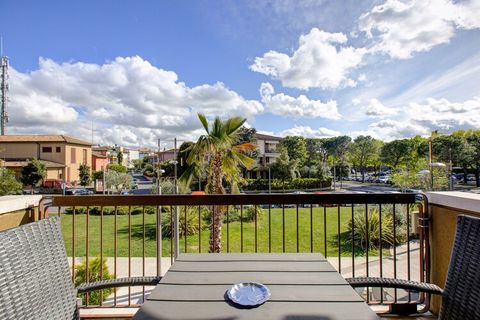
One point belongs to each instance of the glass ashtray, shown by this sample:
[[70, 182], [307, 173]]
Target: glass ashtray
[[248, 293]]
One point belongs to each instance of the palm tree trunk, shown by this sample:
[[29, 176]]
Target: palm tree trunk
[[217, 212]]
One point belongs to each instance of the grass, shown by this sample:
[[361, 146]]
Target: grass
[[232, 238]]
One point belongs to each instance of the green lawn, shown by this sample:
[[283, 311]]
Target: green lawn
[[135, 233]]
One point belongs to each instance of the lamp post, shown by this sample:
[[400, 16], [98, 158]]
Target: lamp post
[[435, 165], [269, 180]]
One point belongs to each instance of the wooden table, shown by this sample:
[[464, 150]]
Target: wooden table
[[302, 286]]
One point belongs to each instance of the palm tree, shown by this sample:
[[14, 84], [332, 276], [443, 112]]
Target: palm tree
[[216, 153]]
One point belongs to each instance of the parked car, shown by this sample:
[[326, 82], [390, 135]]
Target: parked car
[[78, 192], [384, 179]]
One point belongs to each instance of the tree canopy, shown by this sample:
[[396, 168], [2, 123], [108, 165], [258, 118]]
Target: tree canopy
[[217, 154], [9, 185], [33, 173]]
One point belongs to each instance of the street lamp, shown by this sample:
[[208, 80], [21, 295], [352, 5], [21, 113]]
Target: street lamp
[[269, 180], [435, 165], [159, 174]]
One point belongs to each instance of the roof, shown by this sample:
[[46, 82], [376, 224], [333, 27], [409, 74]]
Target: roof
[[260, 136], [97, 148], [98, 155], [43, 138], [23, 163]]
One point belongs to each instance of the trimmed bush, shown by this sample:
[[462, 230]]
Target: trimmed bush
[[288, 184]]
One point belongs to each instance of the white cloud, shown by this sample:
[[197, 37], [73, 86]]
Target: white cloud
[[301, 106], [446, 116], [402, 28], [127, 98], [423, 118], [308, 132], [376, 109], [321, 61]]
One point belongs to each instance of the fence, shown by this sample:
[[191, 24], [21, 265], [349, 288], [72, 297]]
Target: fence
[[360, 234]]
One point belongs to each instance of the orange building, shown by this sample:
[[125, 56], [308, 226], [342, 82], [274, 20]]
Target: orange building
[[62, 155], [100, 158]]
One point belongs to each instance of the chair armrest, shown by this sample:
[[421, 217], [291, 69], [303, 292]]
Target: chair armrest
[[394, 283], [120, 282]]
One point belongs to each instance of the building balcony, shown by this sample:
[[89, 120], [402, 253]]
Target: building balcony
[[402, 236]]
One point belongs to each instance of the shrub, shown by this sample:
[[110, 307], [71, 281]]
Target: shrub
[[373, 229], [187, 227], [288, 184], [249, 213], [94, 267], [78, 210]]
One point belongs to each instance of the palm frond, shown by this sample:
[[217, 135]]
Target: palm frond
[[243, 159], [244, 147], [233, 124], [203, 120], [187, 177]]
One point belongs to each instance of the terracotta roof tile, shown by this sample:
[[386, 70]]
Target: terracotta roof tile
[[43, 138]]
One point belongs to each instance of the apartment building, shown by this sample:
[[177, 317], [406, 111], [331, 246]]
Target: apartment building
[[62, 155], [267, 147]]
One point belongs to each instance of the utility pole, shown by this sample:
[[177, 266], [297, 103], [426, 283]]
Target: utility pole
[[103, 180], [3, 91], [159, 187], [175, 163]]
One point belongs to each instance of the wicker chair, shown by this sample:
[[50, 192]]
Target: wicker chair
[[35, 281], [461, 296]]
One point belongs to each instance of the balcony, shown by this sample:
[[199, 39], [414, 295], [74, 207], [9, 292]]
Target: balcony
[[403, 236]]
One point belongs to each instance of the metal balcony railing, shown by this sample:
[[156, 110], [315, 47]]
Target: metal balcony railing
[[360, 234]]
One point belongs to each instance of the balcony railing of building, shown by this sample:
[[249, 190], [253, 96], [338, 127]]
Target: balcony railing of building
[[360, 234], [271, 150]]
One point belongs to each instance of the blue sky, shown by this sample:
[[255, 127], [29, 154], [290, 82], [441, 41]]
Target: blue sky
[[135, 71]]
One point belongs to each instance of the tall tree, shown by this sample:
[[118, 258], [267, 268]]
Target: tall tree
[[246, 135], [296, 148], [217, 148], [120, 157], [33, 173], [454, 150], [362, 151], [397, 152], [284, 168], [337, 148], [473, 138], [84, 174], [314, 149]]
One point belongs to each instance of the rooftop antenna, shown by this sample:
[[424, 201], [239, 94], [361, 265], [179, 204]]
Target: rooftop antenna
[[3, 89]]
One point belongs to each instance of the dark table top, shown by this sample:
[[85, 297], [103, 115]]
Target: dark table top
[[302, 286]]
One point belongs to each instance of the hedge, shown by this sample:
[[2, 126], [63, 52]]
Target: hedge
[[288, 184]]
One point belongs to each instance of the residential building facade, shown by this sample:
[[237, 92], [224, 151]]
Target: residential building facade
[[62, 155], [267, 148]]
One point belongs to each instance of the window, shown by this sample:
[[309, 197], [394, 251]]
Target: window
[[46, 149], [58, 149], [73, 155], [84, 156]]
